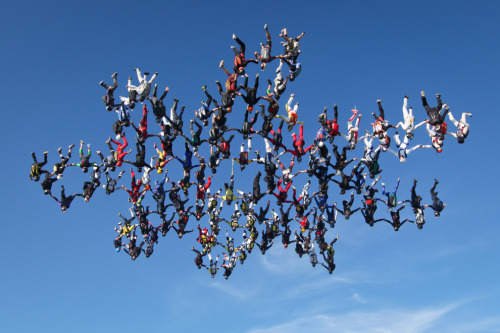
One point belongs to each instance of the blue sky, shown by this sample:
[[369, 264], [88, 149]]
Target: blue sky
[[60, 272]]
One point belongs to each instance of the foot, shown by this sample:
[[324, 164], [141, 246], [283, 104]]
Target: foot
[[71, 146], [136, 69], [292, 95], [438, 95], [114, 75], [204, 88], [81, 142], [406, 96], [101, 83], [218, 82], [176, 100], [422, 93], [221, 64], [59, 149], [146, 73], [379, 100], [234, 36], [354, 113], [265, 26]]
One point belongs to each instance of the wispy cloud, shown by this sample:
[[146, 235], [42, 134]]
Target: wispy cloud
[[357, 297], [382, 321], [241, 293], [281, 261]]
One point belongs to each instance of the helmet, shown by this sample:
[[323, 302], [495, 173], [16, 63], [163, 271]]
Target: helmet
[[160, 170]]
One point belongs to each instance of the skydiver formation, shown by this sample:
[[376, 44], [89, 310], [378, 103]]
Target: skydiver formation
[[176, 202]]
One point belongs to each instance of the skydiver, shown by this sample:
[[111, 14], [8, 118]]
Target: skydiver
[[239, 57], [408, 123], [251, 97], [291, 120], [435, 116], [199, 257], [331, 126], [108, 99], [462, 127], [204, 112], [213, 265], [347, 212], [60, 166], [437, 204], [159, 109], [392, 199], [65, 201], [292, 46], [36, 168], [84, 163], [175, 120], [47, 182], [265, 54], [403, 150], [437, 139], [143, 89], [396, 219], [418, 209], [352, 130]]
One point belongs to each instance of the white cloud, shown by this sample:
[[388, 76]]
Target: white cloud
[[240, 293], [382, 321], [284, 261], [357, 297]]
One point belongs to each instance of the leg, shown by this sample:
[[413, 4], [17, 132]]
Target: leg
[[433, 193], [242, 45]]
